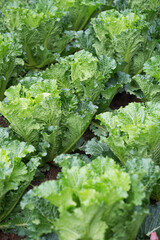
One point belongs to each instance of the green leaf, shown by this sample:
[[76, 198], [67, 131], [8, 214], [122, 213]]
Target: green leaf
[[67, 160], [77, 125], [15, 174], [151, 222], [149, 84], [119, 35], [40, 30], [96, 147], [91, 227], [79, 12], [56, 106], [28, 115], [152, 68], [94, 200], [133, 132], [149, 5], [10, 61]]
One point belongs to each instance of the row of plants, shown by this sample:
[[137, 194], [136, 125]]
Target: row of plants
[[61, 65]]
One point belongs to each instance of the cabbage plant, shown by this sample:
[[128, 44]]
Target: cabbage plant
[[122, 36], [57, 105], [18, 164], [89, 201]]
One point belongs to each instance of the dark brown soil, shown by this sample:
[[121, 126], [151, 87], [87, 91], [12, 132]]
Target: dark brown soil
[[122, 100], [9, 237], [3, 123], [50, 175]]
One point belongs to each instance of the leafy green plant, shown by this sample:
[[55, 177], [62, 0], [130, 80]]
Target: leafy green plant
[[105, 193], [151, 223], [13, 3], [144, 5], [122, 36], [98, 200], [80, 11], [58, 105], [150, 83], [40, 30], [134, 131], [10, 61], [17, 168]]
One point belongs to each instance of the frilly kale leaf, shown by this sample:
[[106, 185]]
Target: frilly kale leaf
[[151, 222], [10, 60], [133, 131], [98, 200], [17, 168], [40, 30], [150, 82], [120, 35], [57, 105], [144, 5], [80, 11]]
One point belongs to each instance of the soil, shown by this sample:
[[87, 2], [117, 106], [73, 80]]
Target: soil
[[3, 123], [50, 175], [9, 237], [121, 99]]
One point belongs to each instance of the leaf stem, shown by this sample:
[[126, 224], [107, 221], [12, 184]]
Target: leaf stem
[[98, 126], [16, 225]]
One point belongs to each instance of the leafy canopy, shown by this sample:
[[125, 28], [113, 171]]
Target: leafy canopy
[[57, 105], [150, 82], [133, 131], [10, 60], [93, 200], [40, 30], [15, 174], [79, 12], [121, 35], [144, 5]]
